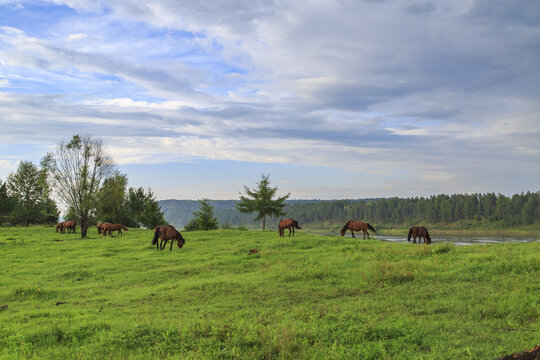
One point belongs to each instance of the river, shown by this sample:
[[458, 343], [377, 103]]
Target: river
[[460, 239]]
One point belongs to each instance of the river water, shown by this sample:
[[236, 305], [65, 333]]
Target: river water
[[461, 239]]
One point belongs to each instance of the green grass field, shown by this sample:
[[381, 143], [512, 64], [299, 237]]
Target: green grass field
[[308, 297]]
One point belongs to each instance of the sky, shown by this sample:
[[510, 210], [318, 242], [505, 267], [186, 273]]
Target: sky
[[332, 99]]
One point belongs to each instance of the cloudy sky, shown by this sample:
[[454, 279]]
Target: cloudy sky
[[333, 99]]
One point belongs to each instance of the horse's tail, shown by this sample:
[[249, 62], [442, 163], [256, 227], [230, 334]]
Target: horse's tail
[[428, 238], [371, 228], [156, 236], [409, 236], [295, 224]]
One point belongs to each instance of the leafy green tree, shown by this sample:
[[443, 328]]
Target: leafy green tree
[[259, 200], [135, 200], [77, 170], [26, 187], [203, 219], [111, 199]]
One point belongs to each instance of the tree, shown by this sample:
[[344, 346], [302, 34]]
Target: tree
[[259, 200], [111, 199], [7, 203], [203, 218], [152, 215], [143, 209], [78, 169], [135, 200], [26, 188]]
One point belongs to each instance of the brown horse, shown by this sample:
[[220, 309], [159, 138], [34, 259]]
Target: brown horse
[[287, 224], [106, 227], [357, 226], [166, 233], [69, 225], [98, 227], [419, 231]]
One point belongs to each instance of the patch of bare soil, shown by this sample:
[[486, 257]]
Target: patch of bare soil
[[533, 354]]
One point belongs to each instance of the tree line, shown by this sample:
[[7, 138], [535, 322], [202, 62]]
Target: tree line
[[488, 208], [84, 179], [519, 209]]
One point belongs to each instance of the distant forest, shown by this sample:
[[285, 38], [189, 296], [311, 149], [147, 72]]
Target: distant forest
[[519, 209]]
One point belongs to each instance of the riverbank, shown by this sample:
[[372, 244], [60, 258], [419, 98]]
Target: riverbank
[[440, 229]]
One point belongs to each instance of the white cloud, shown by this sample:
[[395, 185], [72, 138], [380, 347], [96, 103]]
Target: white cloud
[[75, 37]]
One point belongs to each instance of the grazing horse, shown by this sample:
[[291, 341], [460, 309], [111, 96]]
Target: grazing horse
[[419, 231], [98, 227], [357, 226], [59, 226], [69, 225], [112, 227], [287, 224], [166, 233]]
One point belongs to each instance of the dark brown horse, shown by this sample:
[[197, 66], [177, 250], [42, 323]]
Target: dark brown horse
[[357, 226], [166, 233], [419, 231], [106, 227], [290, 224]]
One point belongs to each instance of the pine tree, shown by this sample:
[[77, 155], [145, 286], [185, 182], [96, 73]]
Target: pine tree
[[26, 188], [259, 200], [203, 218]]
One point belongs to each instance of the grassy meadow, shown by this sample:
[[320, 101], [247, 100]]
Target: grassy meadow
[[307, 297]]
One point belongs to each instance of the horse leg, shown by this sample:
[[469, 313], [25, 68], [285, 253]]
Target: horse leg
[[289, 230], [292, 230], [172, 242], [352, 233]]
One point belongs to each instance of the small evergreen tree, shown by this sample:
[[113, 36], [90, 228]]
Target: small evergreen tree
[[203, 218], [152, 215], [26, 187], [259, 200], [142, 209]]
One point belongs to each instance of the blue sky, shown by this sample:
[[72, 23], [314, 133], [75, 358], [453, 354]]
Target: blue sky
[[333, 99]]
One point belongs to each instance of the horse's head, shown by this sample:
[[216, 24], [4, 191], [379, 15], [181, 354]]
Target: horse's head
[[180, 239], [342, 232]]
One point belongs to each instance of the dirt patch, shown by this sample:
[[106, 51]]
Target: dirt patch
[[533, 354]]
